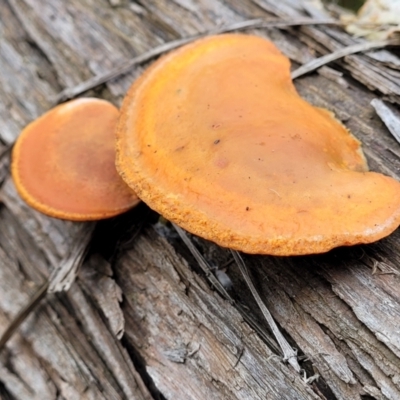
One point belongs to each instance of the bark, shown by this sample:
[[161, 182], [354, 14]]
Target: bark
[[141, 322]]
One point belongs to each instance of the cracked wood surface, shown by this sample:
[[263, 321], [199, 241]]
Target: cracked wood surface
[[179, 339]]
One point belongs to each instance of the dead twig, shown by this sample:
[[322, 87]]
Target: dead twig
[[217, 285], [202, 263], [24, 313], [64, 275], [289, 354], [127, 65], [61, 279], [389, 116], [336, 55]]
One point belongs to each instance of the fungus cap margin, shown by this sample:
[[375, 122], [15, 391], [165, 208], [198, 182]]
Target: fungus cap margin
[[63, 163]]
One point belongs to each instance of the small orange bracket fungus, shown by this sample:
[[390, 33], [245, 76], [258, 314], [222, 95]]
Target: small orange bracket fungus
[[63, 163], [215, 138]]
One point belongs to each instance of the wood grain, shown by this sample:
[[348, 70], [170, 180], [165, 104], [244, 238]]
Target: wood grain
[[141, 322]]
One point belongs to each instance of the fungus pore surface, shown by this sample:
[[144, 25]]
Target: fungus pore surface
[[63, 163], [214, 137]]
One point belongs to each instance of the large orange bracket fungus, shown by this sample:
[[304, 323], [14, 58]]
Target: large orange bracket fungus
[[63, 163], [215, 138]]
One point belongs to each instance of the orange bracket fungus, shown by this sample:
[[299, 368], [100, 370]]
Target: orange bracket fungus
[[215, 138], [63, 163]]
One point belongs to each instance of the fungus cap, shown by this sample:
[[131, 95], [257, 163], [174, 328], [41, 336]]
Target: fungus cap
[[215, 138], [63, 163]]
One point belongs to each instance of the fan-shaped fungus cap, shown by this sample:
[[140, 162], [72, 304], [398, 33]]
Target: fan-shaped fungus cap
[[63, 163], [215, 138]]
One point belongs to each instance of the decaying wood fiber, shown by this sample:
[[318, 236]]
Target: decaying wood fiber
[[140, 322]]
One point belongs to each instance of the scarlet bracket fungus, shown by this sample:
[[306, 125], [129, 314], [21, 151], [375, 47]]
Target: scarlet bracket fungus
[[63, 163], [215, 138]]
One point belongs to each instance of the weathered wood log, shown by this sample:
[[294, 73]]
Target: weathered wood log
[[141, 322]]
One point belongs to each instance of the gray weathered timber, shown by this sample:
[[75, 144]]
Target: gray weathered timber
[[180, 340]]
